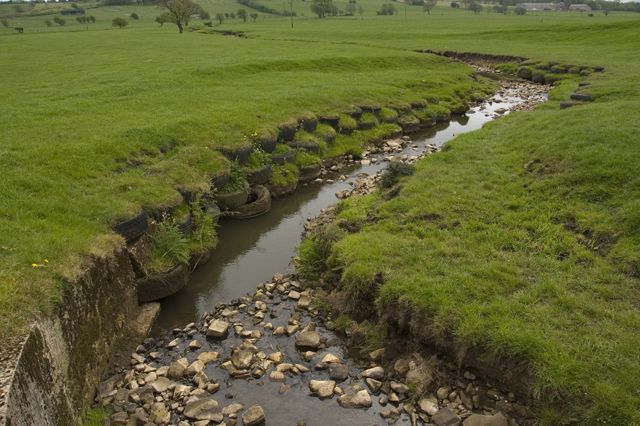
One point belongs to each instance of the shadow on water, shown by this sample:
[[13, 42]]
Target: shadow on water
[[250, 252]]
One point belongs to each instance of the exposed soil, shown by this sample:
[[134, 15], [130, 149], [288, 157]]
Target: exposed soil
[[475, 58]]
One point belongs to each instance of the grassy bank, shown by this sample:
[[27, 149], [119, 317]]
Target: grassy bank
[[522, 239], [100, 124]]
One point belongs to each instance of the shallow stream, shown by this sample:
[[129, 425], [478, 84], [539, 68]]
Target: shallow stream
[[250, 252]]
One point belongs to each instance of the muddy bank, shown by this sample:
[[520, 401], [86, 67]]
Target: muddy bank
[[474, 58]]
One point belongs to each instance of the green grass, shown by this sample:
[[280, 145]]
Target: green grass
[[285, 174], [491, 261], [96, 416], [526, 239], [100, 123]]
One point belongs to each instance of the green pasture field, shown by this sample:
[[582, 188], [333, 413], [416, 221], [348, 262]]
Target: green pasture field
[[522, 238], [98, 123]]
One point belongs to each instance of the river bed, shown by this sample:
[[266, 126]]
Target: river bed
[[250, 252], [246, 326]]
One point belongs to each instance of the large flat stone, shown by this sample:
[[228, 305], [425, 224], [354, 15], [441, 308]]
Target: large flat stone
[[203, 409], [308, 340], [218, 329], [446, 417], [322, 388], [355, 399], [373, 373], [242, 359], [253, 416], [480, 420], [338, 372]]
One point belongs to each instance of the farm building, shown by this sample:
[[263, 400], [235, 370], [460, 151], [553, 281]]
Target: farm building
[[580, 7], [543, 6]]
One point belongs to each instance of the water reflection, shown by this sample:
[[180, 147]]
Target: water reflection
[[251, 251]]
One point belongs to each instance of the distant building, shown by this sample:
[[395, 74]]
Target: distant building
[[543, 6], [580, 7]]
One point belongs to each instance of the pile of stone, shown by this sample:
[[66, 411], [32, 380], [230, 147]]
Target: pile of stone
[[172, 380], [365, 184], [167, 382], [312, 223]]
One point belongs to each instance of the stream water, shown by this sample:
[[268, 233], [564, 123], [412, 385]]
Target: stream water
[[250, 252]]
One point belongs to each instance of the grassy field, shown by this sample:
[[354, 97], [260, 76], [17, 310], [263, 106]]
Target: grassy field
[[100, 123], [523, 238]]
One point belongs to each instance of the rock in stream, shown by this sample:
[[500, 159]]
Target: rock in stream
[[241, 370]]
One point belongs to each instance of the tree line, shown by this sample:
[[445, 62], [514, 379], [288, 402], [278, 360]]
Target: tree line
[[265, 9]]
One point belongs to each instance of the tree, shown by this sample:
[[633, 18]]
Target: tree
[[47, 22], [242, 14], [350, 9], [322, 7], [164, 18], [119, 22], [134, 16], [181, 10], [5, 23], [58, 20], [455, 4], [499, 8], [220, 18], [429, 5], [92, 19], [475, 7], [607, 7], [254, 16], [204, 15], [232, 15], [387, 9], [519, 10], [86, 20]]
